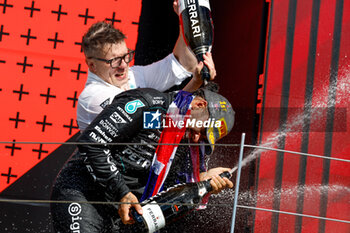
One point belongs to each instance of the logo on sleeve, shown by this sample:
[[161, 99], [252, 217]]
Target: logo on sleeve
[[117, 118], [105, 103], [132, 106]]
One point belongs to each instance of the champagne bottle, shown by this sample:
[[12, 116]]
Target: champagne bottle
[[197, 28], [169, 205]]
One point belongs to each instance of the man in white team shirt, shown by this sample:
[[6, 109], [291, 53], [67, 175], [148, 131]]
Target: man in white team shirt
[[108, 57]]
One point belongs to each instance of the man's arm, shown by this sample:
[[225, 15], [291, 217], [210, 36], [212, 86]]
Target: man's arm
[[197, 81], [181, 51], [129, 201], [183, 54], [189, 61], [116, 123]]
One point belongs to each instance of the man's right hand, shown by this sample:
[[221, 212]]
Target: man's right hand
[[131, 201], [217, 183]]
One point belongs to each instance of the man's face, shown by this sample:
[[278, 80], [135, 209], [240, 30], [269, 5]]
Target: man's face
[[116, 76], [196, 135], [198, 113]]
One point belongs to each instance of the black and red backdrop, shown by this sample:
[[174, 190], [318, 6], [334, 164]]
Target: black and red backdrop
[[276, 60]]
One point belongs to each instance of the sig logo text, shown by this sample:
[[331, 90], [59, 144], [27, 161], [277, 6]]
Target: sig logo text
[[74, 209]]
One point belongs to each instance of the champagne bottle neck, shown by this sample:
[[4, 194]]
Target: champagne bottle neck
[[200, 50], [204, 187], [206, 183]]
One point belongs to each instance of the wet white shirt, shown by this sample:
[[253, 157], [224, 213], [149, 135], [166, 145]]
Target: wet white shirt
[[97, 93]]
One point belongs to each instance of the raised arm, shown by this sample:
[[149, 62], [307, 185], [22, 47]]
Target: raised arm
[[181, 51], [188, 60], [197, 80]]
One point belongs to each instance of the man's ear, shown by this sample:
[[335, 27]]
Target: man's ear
[[199, 103], [91, 64]]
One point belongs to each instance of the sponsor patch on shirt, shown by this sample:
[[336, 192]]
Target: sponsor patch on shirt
[[158, 100], [132, 106], [117, 118], [105, 103], [124, 113]]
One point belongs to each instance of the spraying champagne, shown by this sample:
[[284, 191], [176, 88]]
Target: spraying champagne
[[169, 205], [198, 28]]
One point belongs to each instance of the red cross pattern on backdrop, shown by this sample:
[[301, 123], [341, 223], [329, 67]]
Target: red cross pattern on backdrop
[[43, 71]]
